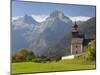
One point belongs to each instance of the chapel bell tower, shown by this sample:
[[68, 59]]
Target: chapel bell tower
[[77, 40]]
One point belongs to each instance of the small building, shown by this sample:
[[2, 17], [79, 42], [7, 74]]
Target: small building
[[77, 41]]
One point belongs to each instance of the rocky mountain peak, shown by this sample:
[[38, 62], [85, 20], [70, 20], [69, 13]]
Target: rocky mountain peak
[[28, 19], [56, 13]]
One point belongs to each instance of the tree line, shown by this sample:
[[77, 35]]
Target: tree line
[[26, 55]]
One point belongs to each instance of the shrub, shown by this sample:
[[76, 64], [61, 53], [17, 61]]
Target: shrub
[[91, 51], [23, 55], [38, 60]]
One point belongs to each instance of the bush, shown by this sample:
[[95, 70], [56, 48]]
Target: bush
[[91, 51], [38, 60], [51, 58], [45, 59], [19, 58], [23, 55]]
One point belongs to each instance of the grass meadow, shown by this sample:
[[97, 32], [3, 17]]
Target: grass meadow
[[63, 65]]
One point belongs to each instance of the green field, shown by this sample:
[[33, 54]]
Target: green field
[[63, 65]]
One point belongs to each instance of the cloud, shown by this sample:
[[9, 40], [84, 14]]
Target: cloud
[[79, 18], [14, 18], [39, 18]]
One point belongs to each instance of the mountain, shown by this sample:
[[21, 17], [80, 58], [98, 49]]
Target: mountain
[[19, 28], [51, 37], [79, 22], [23, 22], [40, 36], [88, 28], [49, 32]]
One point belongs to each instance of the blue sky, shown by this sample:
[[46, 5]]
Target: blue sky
[[22, 8]]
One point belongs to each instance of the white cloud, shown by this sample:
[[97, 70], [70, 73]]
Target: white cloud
[[14, 18], [39, 18], [79, 18]]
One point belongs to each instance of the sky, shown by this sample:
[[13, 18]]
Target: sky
[[41, 10], [21, 8]]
